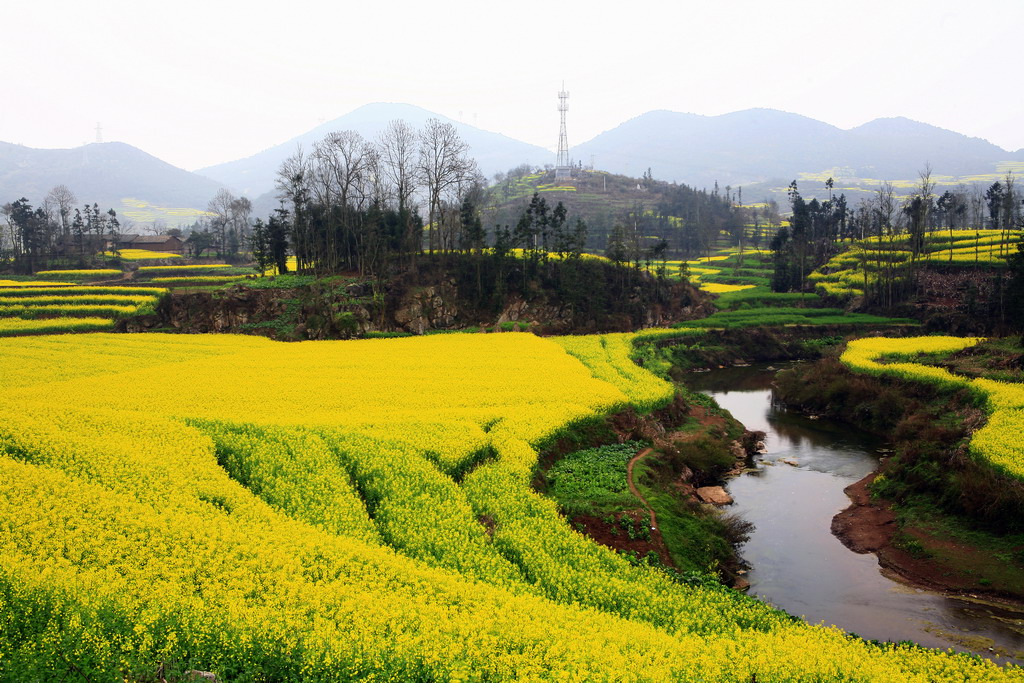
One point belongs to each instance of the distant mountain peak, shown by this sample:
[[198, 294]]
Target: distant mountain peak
[[254, 176], [101, 172], [762, 145]]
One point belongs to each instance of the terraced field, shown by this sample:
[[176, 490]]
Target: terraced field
[[741, 281], [857, 267], [39, 307]]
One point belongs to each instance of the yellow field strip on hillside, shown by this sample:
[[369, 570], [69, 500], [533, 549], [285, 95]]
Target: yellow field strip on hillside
[[66, 309], [197, 279], [718, 288], [17, 326], [144, 254], [73, 298], [340, 510], [104, 273], [18, 284], [70, 290]]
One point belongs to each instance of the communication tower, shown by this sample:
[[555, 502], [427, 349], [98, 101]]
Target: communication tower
[[562, 167], [99, 132]]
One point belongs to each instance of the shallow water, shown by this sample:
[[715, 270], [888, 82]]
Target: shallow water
[[799, 566]]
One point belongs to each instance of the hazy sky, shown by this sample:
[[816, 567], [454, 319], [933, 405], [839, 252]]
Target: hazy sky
[[199, 83]]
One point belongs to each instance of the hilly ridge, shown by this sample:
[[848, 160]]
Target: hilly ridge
[[759, 149], [762, 145], [254, 176], [104, 173]]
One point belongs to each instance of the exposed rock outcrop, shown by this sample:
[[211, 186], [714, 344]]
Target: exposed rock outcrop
[[419, 302], [715, 495]]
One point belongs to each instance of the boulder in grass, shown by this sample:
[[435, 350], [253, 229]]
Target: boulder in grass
[[715, 495]]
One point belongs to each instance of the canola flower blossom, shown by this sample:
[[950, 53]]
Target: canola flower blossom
[[76, 274], [17, 284], [144, 254], [719, 288], [173, 280], [33, 307], [10, 327], [351, 510]]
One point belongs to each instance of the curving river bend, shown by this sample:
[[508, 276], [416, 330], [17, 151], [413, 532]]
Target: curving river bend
[[799, 566]]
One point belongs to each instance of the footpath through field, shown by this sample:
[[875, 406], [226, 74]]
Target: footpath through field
[[632, 485]]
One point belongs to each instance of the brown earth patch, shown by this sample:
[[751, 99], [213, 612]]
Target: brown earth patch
[[939, 564], [613, 536], [865, 526]]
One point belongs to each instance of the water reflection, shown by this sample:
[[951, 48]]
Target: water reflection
[[800, 566]]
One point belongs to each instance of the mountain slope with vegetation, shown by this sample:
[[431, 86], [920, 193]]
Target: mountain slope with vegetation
[[768, 148], [106, 173]]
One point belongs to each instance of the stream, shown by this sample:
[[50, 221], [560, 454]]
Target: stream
[[799, 566]]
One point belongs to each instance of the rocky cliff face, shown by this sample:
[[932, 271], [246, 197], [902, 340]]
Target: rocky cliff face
[[322, 311]]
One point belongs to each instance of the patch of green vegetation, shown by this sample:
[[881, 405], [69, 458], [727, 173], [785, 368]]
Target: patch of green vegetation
[[965, 548], [649, 356], [288, 281], [910, 545], [593, 481], [761, 297], [1000, 359], [698, 540], [737, 280], [282, 327], [707, 402], [706, 453], [776, 316], [467, 330], [741, 272], [385, 335], [818, 346], [635, 530]]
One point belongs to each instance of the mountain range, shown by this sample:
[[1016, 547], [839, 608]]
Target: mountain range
[[493, 152], [104, 173], [754, 147], [761, 145]]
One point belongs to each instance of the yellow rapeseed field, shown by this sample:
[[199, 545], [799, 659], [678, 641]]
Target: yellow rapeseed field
[[350, 510], [143, 254], [998, 442]]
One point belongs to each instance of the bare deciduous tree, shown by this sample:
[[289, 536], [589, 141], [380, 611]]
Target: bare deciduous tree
[[293, 187], [220, 207], [397, 147], [444, 165], [60, 203]]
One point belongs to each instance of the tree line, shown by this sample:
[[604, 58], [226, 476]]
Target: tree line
[[56, 232], [633, 216], [353, 204], [892, 233]]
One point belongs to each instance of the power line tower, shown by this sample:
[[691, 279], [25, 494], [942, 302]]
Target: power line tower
[[562, 167]]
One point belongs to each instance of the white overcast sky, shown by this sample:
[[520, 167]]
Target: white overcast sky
[[200, 83]]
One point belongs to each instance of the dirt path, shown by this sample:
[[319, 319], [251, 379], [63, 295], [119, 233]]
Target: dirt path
[[127, 275], [695, 411], [632, 485]]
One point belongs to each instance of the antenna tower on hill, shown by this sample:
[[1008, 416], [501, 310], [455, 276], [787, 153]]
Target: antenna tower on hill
[[99, 132], [562, 167]]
